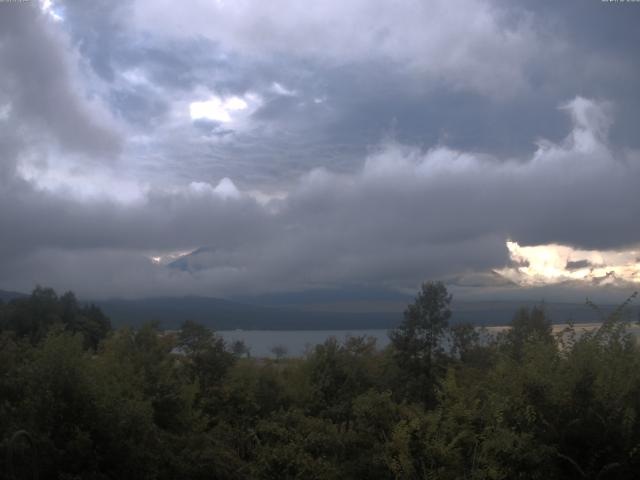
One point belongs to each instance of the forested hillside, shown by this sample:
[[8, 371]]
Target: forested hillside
[[80, 400]]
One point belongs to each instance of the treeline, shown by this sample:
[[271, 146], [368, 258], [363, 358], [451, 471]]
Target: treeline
[[79, 400]]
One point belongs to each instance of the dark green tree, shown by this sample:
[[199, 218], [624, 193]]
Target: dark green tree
[[464, 338], [528, 326], [33, 317], [417, 342], [240, 349], [207, 360], [338, 373]]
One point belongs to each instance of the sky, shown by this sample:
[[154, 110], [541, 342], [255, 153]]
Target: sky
[[287, 145]]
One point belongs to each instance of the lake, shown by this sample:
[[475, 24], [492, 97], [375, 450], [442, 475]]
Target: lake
[[296, 342]]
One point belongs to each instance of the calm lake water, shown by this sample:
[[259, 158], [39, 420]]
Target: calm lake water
[[296, 342]]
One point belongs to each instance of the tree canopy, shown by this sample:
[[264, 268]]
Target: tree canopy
[[79, 400]]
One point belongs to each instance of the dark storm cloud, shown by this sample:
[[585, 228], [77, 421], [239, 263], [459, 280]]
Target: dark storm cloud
[[406, 215], [138, 105], [36, 219], [600, 55], [379, 155], [38, 85], [362, 95], [493, 89]]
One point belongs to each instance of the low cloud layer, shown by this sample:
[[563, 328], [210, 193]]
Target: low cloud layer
[[406, 215], [125, 144]]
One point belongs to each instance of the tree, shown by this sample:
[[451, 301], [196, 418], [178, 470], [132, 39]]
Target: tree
[[206, 358], [87, 320], [33, 317], [240, 349], [417, 342], [528, 326], [465, 339], [279, 351], [339, 373]]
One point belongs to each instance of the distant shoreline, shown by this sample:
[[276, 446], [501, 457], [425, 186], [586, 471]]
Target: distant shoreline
[[297, 342]]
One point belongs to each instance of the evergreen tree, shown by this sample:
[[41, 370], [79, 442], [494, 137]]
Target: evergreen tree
[[417, 342]]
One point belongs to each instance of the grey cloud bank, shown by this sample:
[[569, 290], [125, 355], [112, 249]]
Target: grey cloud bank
[[371, 153]]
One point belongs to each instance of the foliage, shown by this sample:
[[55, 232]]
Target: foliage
[[417, 342], [439, 403]]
